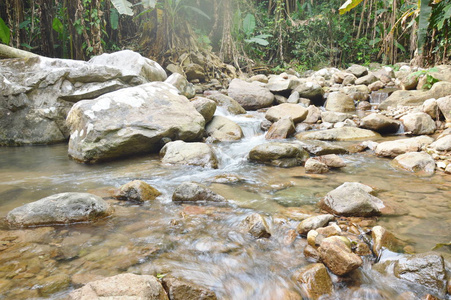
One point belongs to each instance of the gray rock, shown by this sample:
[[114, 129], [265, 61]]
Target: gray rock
[[352, 199], [397, 147], [37, 93], [356, 89], [311, 90], [442, 144], [416, 98], [313, 223], [294, 97], [314, 166], [122, 286], [256, 225], [281, 129], [334, 117], [375, 86], [313, 114], [349, 79], [194, 192], [418, 123], [279, 154], [295, 111], [338, 134], [195, 71], [409, 82], [426, 269], [364, 105], [179, 289], [259, 77], [380, 123], [282, 83], [357, 70], [61, 208], [430, 107], [418, 162], [444, 104], [231, 105], [179, 81], [205, 107], [366, 80], [338, 257], [250, 96], [339, 102], [175, 69], [322, 148], [195, 154], [131, 121], [331, 160], [223, 129], [132, 64]]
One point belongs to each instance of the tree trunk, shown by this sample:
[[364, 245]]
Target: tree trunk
[[47, 39], [10, 52]]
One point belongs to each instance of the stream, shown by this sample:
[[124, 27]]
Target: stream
[[204, 244]]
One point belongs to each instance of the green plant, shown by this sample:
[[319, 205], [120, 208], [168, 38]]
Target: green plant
[[430, 79], [4, 32]]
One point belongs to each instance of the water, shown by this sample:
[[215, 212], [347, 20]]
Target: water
[[204, 244]]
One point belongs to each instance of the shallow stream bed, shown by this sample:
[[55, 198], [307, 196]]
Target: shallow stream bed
[[203, 244]]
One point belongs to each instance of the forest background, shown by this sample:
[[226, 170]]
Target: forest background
[[273, 34]]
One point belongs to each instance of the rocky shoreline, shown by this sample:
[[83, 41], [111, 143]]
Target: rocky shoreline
[[108, 111]]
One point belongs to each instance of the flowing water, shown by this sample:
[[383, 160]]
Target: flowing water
[[204, 244]]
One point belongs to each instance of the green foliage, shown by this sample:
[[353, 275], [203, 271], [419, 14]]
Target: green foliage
[[114, 18], [423, 23], [249, 24], [430, 79], [4, 32]]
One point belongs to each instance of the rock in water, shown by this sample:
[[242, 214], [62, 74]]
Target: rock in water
[[122, 286], [179, 289], [223, 129], [415, 162], [295, 111], [315, 280], [250, 96], [131, 121], [352, 199], [205, 107], [193, 192], [418, 123], [137, 190], [338, 134], [279, 154], [313, 223], [380, 123], [281, 129], [394, 148], [337, 256], [339, 102], [61, 208], [195, 154], [256, 225]]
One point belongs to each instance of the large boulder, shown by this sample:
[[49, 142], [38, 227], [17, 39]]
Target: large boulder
[[338, 134], [416, 98], [194, 154], [397, 147], [352, 199], [418, 123], [296, 112], [279, 154], [194, 192], [338, 257], [122, 286], [251, 96], [380, 123], [444, 104], [232, 106], [61, 208], [418, 162], [223, 129], [442, 143], [339, 102], [131, 121], [426, 269], [132, 64], [37, 93]]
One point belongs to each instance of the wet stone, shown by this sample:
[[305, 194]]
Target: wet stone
[[138, 191], [337, 256], [256, 225], [179, 289], [315, 281]]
